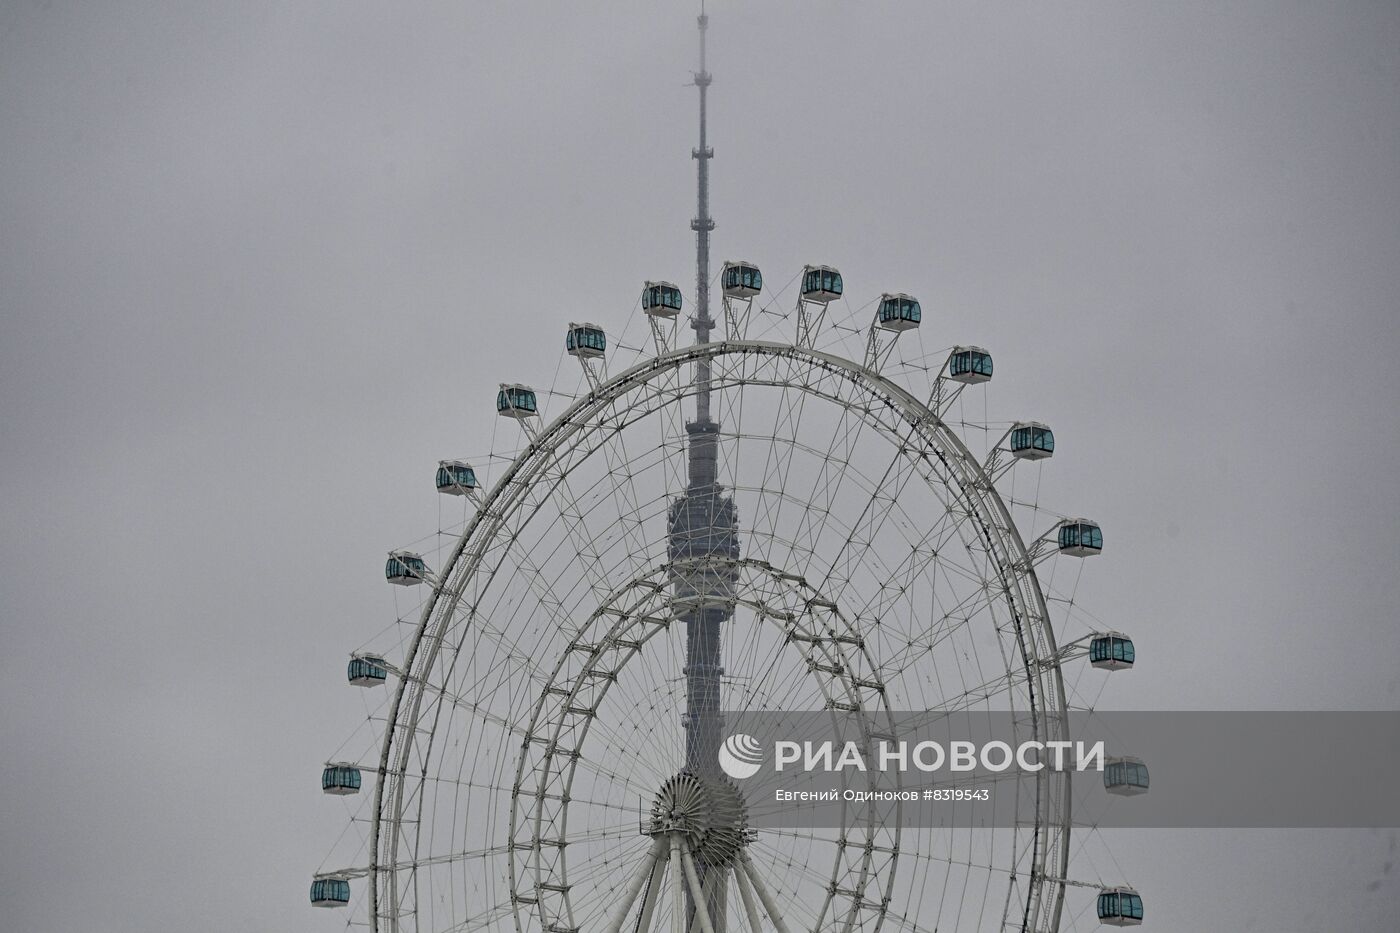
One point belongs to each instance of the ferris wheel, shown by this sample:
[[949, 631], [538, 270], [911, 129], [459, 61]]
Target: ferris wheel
[[796, 511]]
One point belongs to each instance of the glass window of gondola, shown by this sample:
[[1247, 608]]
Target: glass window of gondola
[[1120, 907], [516, 399], [330, 892], [741, 279], [820, 284], [1032, 437], [340, 779], [1081, 535], [971, 362], [405, 567], [1126, 772], [661, 296], [455, 476], [899, 310], [366, 671], [586, 340], [1110, 648]]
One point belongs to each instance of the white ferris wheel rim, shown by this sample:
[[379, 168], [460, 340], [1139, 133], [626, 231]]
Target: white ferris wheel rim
[[1050, 840]]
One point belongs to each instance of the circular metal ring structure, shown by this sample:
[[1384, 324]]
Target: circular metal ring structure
[[534, 750]]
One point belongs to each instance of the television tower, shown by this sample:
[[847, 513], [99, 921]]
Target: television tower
[[702, 524]]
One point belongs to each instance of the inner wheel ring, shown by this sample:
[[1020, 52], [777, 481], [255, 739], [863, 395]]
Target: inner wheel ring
[[708, 811]]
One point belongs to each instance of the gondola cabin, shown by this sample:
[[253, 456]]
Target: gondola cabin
[[1031, 440], [898, 312], [1112, 651], [740, 280], [586, 341], [970, 365], [821, 284], [1120, 907], [340, 779], [367, 671], [330, 891], [516, 401], [455, 478], [661, 299], [1080, 537], [1126, 777], [405, 568]]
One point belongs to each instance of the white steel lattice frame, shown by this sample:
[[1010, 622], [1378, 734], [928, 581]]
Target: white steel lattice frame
[[630, 610]]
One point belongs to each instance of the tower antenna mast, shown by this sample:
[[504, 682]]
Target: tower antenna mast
[[702, 224]]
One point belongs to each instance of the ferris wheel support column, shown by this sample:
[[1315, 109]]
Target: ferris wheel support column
[[658, 876], [697, 893], [677, 887], [746, 866], [745, 895], [644, 871]]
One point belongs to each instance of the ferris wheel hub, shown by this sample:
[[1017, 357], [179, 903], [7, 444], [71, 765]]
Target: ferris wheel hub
[[709, 811]]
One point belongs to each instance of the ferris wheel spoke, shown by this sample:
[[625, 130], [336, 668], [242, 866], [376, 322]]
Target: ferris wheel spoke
[[906, 923], [482, 920], [802, 868], [582, 541], [845, 471], [627, 500], [824, 490], [509, 659], [779, 457], [622, 492], [970, 696], [820, 889], [929, 553], [952, 620], [876, 520]]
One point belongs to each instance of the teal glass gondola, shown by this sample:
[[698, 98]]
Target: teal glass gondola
[[1125, 777], [405, 568], [1080, 538], [1112, 652], [970, 365], [1120, 907], [898, 312], [741, 280], [586, 341], [821, 284], [340, 779], [330, 892], [455, 478], [661, 299], [1031, 440], [516, 401], [367, 671]]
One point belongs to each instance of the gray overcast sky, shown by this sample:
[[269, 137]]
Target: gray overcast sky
[[262, 265]]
